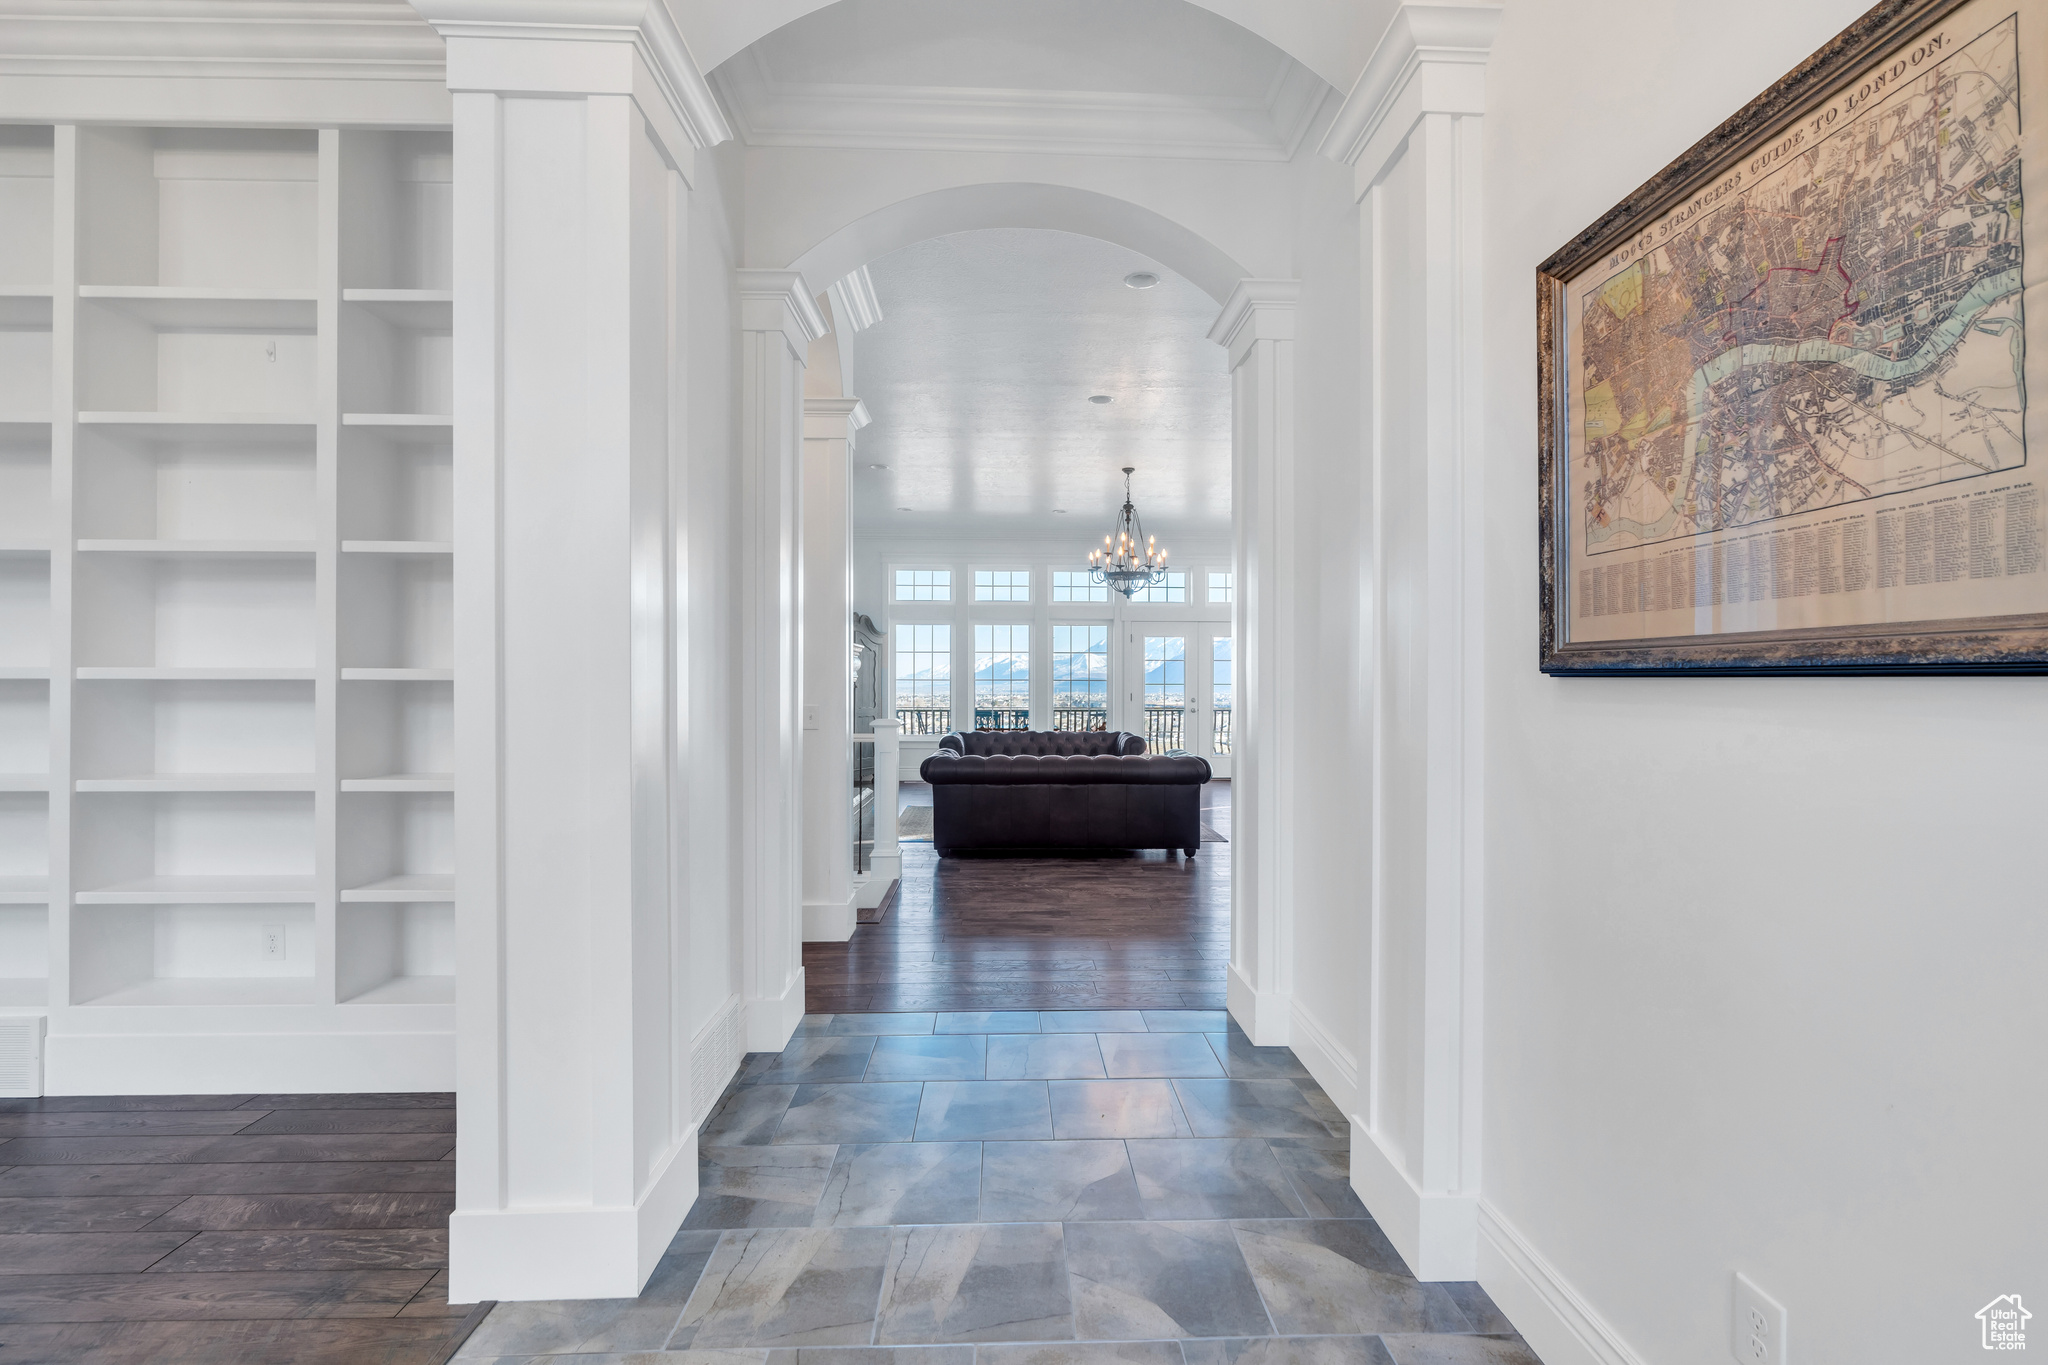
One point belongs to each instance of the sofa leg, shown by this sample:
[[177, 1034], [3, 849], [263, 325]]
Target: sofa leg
[[1191, 852]]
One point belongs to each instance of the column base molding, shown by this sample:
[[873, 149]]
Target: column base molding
[[1552, 1316], [1436, 1234], [1333, 1066], [830, 921], [572, 1253], [884, 871], [1266, 1017], [772, 1021], [246, 1063]]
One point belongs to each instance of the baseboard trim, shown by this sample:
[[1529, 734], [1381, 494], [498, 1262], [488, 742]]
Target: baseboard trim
[[1332, 1064], [830, 921], [1265, 1018], [884, 870], [572, 1253], [1554, 1318], [1436, 1234], [246, 1063], [772, 1021]]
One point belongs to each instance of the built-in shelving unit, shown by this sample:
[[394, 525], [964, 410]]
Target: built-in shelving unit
[[226, 698]]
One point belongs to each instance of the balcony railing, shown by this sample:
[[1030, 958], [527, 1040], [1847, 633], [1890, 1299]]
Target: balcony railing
[[924, 720], [1163, 728], [1080, 718], [1002, 718], [863, 806], [1220, 742]]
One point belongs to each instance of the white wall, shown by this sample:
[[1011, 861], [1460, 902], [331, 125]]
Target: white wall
[[1763, 956]]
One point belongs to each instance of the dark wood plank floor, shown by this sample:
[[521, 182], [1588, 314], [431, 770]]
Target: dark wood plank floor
[[228, 1230], [1039, 931]]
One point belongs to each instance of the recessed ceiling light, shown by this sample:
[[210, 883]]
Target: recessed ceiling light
[[1141, 279], [1059, 511], [903, 509], [878, 466], [1100, 398]]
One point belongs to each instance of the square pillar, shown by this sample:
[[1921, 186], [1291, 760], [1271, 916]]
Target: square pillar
[[828, 822], [778, 322]]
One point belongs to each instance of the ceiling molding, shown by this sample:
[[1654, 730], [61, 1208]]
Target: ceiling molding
[[770, 112], [854, 302], [1431, 60], [646, 25], [1257, 310], [382, 40], [832, 419], [780, 301]]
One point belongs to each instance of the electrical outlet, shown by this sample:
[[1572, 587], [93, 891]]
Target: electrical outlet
[[273, 943], [1758, 1336]]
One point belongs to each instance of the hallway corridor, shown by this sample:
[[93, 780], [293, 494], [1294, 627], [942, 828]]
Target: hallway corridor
[[1021, 1188]]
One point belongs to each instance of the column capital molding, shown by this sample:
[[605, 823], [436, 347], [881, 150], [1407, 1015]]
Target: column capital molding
[[1257, 310], [780, 301], [834, 419], [503, 46], [1431, 60]]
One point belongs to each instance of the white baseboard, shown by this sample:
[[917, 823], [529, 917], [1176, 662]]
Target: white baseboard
[[884, 870], [572, 1253], [1328, 1060], [1436, 1234], [772, 1021], [1266, 1019], [829, 921], [1552, 1317], [245, 1063]]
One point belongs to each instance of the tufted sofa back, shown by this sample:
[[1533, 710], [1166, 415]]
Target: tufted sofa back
[[1042, 743]]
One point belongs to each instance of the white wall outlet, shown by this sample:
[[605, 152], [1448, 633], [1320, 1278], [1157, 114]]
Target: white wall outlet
[[810, 716], [1758, 1332], [273, 943]]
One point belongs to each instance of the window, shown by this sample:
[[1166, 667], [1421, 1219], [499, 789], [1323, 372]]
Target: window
[[924, 585], [1220, 685], [1173, 589], [1221, 585], [1166, 691], [1073, 586], [1002, 585], [924, 678], [1002, 677], [1080, 677]]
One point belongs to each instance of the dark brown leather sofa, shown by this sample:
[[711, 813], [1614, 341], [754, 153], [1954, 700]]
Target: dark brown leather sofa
[[1060, 789]]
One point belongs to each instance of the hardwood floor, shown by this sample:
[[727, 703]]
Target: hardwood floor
[[1040, 931], [228, 1230]]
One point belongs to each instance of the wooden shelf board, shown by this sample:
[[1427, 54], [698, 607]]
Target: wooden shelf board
[[208, 428], [25, 309], [151, 673], [398, 675], [30, 546], [397, 547], [202, 891], [200, 782], [211, 990], [408, 990], [289, 310], [25, 421], [397, 419], [414, 886], [201, 549], [401, 782], [24, 672], [24, 782], [422, 310], [24, 890]]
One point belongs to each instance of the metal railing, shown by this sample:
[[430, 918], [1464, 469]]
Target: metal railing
[[1220, 741], [863, 806], [1075, 718], [1164, 728], [1002, 718], [925, 720]]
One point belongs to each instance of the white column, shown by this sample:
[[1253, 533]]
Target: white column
[[829, 427], [1410, 130], [778, 322], [1257, 327], [577, 1160]]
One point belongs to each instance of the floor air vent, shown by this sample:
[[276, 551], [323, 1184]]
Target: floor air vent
[[21, 1056]]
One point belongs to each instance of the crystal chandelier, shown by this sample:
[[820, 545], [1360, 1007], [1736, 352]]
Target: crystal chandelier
[[1128, 560]]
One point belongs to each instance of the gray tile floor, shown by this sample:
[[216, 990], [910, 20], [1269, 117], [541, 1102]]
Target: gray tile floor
[[1109, 1187]]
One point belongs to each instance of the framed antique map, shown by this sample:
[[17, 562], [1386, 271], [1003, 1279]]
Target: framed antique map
[[1784, 386]]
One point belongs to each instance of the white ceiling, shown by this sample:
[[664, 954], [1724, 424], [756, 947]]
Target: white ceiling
[[1135, 77], [978, 378]]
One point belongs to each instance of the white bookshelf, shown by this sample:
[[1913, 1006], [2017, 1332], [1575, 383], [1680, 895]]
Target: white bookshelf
[[226, 699]]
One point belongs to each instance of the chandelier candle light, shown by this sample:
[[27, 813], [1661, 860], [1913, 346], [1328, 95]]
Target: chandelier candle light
[[1128, 559]]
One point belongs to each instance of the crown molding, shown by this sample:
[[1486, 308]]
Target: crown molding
[[1431, 60], [1257, 310], [688, 106], [213, 61], [780, 301], [854, 302], [834, 419], [771, 112]]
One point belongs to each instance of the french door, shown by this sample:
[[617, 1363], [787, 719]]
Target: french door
[[1175, 686]]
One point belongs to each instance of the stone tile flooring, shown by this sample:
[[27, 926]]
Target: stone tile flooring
[[1012, 1187]]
